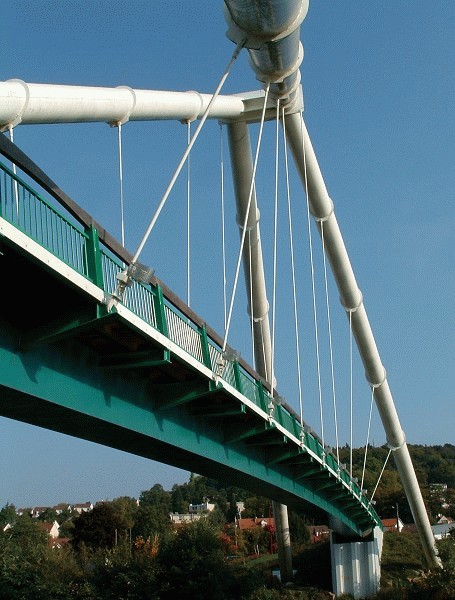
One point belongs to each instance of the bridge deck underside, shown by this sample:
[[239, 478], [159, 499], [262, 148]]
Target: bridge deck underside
[[71, 367]]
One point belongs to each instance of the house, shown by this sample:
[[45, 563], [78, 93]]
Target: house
[[444, 519], [243, 524], [82, 507], [53, 532], [61, 508], [318, 533], [205, 507], [394, 524], [38, 510], [179, 519], [442, 530], [195, 512], [52, 529]]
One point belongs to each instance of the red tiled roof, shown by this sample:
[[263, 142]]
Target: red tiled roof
[[257, 522]]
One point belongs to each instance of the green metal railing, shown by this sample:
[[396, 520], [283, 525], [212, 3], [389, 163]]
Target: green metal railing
[[80, 248]]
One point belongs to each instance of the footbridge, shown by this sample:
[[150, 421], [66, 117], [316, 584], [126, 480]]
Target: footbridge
[[94, 345]]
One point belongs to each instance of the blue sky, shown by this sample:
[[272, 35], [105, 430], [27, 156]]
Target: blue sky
[[379, 88]]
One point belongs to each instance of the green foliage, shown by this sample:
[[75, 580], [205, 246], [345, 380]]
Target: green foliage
[[300, 534], [179, 504], [158, 498], [22, 549], [433, 464], [7, 515], [403, 577], [151, 520], [402, 558], [48, 516], [193, 562], [31, 570], [120, 573], [442, 583], [257, 506], [66, 529], [125, 510], [101, 527]]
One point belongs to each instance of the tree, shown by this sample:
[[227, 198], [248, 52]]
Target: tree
[[101, 527], [23, 548], [48, 516], [125, 509], [300, 534], [151, 520], [257, 506], [193, 561], [179, 504], [8, 515], [157, 497]]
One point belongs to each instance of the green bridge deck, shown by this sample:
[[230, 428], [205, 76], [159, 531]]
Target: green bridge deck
[[145, 377]]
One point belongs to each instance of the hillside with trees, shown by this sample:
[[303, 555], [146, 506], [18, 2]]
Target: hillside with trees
[[127, 548]]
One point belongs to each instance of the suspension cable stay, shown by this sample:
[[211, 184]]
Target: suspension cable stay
[[275, 245], [187, 151], [294, 288], [120, 166], [368, 440], [223, 226], [125, 277], [188, 214]]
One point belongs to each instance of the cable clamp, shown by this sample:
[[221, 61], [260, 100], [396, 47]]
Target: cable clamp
[[18, 118], [352, 309], [379, 383], [253, 225], [394, 448], [126, 116], [196, 114], [325, 217]]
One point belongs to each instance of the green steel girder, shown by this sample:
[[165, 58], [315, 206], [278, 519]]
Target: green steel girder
[[281, 455], [136, 360], [67, 326], [146, 407], [307, 474], [320, 484], [301, 459], [270, 438], [59, 386], [338, 494], [244, 431], [216, 412], [177, 394]]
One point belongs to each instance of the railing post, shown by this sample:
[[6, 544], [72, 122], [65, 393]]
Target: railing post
[[205, 346], [261, 394], [161, 321], [238, 381], [93, 257]]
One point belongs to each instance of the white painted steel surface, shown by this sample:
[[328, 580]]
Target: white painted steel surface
[[356, 566], [39, 103]]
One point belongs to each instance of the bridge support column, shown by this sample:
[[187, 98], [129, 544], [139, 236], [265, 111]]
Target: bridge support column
[[283, 538], [258, 308], [356, 566]]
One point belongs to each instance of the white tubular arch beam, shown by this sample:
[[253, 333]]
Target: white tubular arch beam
[[39, 103]]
